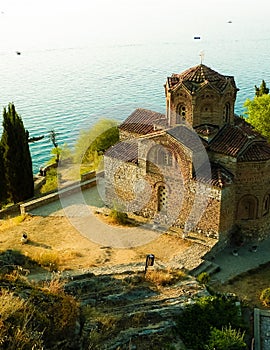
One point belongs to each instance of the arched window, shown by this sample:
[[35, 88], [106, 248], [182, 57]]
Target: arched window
[[247, 208], [266, 205], [162, 195], [181, 113], [159, 155], [226, 112]]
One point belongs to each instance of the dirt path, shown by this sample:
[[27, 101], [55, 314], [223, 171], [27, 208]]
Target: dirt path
[[82, 241]]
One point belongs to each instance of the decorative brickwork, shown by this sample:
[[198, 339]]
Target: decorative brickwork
[[199, 167]]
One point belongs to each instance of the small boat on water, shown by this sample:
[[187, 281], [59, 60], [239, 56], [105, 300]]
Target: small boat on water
[[18, 52], [197, 37]]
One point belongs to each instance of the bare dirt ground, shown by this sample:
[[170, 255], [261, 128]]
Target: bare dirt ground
[[56, 234]]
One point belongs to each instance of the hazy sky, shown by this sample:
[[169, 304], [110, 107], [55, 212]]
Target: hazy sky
[[65, 23]]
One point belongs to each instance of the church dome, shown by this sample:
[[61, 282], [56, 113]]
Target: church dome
[[196, 77]]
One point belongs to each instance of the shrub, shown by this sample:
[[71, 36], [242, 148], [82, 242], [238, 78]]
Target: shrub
[[48, 259], [36, 317], [226, 339], [16, 329], [118, 216], [55, 285], [265, 297], [203, 278], [195, 323], [51, 183], [19, 219]]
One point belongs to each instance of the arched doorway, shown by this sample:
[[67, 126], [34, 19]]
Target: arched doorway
[[247, 208]]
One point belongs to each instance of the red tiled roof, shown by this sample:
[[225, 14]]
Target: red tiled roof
[[220, 176], [195, 77], [141, 121], [255, 152], [124, 151], [240, 141], [230, 141]]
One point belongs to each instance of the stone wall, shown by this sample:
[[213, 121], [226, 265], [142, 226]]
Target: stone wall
[[51, 197], [252, 191], [135, 188], [207, 106]]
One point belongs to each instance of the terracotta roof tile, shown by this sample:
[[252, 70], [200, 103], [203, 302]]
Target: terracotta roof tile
[[195, 77], [220, 176], [230, 141], [141, 121], [240, 141], [256, 152]]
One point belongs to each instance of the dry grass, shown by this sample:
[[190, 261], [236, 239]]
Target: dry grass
[[248, 286], [11, 222], [47, 259], [9, 304], [55, 285], [165, 277]]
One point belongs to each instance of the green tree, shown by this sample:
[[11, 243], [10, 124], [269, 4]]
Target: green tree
[[258, 114], [265, 297], [226, 339], [196, 321], [96, 141], [16, 156], [3, 193], [262, 90]]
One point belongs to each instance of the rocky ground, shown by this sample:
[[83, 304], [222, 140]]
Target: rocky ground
[[123, 308]]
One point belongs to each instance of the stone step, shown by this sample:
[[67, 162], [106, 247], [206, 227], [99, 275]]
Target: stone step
[[205, 266]]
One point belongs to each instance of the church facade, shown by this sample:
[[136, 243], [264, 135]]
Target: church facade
[[198, 166]]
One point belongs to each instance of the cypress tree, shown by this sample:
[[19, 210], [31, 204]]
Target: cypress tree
[[3, 193], [262, 90], [16, 156]]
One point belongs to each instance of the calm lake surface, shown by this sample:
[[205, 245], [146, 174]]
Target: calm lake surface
[[69, 89]]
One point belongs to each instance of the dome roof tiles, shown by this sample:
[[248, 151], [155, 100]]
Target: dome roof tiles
[[198, 76]]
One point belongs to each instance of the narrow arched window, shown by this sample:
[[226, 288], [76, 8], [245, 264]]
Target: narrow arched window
[[181, 113], [226, 112], [162, 195]]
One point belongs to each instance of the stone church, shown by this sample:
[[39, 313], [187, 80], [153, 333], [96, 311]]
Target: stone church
[[199, 167]]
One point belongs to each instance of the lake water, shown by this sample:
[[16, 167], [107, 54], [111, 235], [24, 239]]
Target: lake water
[[69, 89]]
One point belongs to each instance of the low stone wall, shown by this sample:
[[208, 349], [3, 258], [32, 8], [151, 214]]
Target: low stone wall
[[38, 202], [88, 176], [39, 181], [9, 211]]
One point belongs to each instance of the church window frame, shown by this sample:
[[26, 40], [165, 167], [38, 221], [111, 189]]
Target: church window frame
[[160, 156], [226, 112], [181, 113], [162, 198]]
